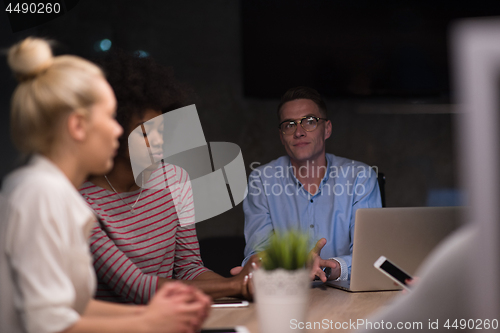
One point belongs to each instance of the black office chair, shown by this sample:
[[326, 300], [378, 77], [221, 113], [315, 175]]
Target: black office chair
[[381, 185]]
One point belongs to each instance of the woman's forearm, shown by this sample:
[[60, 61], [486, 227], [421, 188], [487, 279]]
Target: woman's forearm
[[211, 284], [97, 308]]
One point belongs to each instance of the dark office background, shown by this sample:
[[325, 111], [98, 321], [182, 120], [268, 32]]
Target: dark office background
[[382, 65]]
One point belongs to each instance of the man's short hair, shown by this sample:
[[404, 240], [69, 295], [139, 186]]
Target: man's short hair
[[303, 93]]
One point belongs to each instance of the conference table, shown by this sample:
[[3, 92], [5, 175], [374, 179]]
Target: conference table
[[334, 305]]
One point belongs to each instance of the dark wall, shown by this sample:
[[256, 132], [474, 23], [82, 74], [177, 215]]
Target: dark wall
[[8, 154], [411, 143]]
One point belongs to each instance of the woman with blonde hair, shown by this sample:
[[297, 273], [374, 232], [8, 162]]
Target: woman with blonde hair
[[62, 114]]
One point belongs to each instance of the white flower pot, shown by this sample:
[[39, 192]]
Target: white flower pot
[[281, 297]]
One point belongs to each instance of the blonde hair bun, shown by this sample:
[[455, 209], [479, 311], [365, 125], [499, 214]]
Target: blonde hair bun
[[49, 89], [29, 58]]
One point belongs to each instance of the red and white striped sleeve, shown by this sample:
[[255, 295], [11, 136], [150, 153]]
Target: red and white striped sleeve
[[114, 268], [187, 261]]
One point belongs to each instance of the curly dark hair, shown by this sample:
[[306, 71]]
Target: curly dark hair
[[140, 84]]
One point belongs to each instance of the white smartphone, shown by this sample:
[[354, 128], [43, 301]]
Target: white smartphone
[[236, 329], [230, 303], [394, 272]]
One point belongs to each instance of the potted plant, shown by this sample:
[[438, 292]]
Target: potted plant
[[282, 283]]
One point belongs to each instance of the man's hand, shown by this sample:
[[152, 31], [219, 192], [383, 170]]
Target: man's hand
[[317, 263], [410, 283]]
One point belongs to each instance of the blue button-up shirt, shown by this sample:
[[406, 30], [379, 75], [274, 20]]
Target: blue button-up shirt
[[276, 200]]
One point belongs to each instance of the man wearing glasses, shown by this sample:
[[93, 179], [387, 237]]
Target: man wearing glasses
[[309, 190]]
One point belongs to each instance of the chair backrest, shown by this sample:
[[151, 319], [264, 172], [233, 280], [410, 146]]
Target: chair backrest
[[381, 185]]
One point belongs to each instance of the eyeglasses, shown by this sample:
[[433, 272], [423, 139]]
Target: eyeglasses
[[288, 127]]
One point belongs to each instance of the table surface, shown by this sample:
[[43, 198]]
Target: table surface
[[324, 303]]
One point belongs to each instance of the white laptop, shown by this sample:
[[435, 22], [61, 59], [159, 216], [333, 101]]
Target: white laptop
[[404, 235]]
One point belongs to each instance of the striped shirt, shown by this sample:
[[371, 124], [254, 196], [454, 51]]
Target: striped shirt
[[131, 250]]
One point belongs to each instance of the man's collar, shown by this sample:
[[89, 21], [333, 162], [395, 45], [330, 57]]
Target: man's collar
[[327, 173], [292, 175], [325, 177]]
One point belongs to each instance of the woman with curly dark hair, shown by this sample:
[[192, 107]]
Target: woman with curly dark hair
[[146, 235]]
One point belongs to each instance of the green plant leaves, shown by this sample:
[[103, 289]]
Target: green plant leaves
[[288, 250]]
